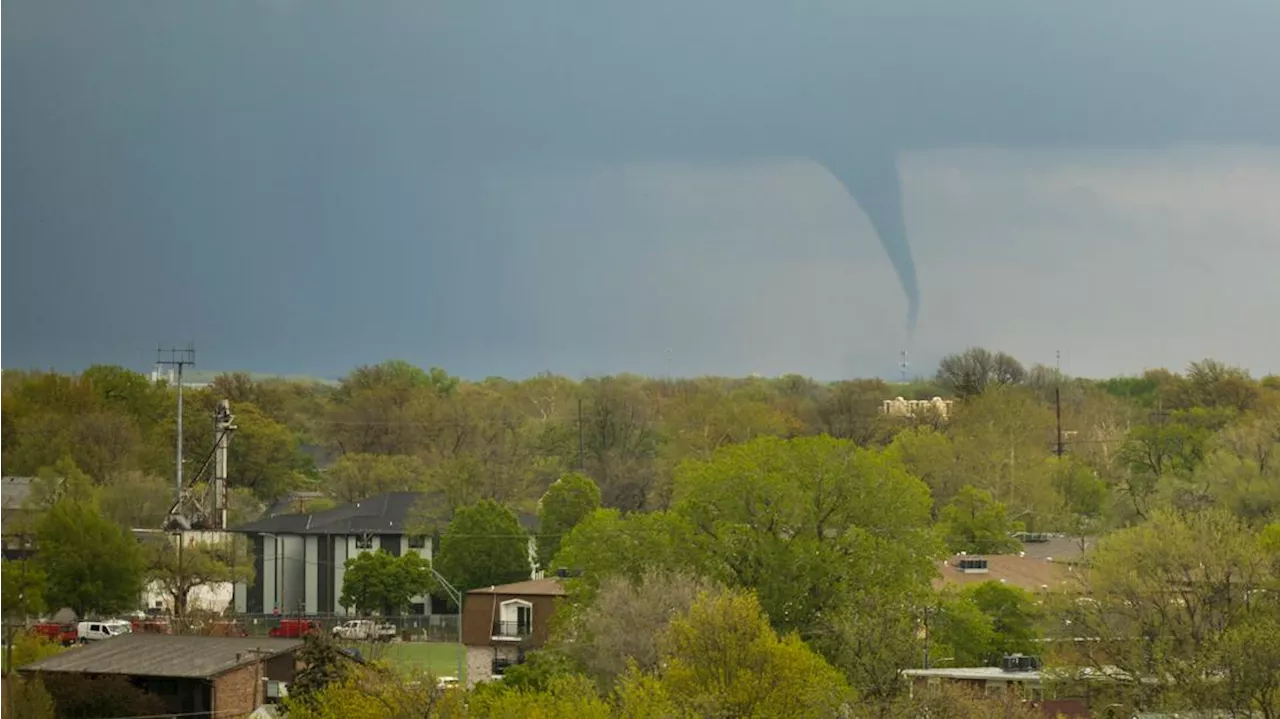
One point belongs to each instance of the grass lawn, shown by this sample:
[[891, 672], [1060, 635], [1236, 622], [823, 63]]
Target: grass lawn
[[438, 658]]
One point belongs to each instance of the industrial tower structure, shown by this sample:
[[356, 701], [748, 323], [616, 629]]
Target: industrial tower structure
[[207, 508]]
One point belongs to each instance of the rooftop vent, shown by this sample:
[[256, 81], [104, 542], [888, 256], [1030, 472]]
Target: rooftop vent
[[1019, 663]]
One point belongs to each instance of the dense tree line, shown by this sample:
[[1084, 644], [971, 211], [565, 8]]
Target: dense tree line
[[790, 504]]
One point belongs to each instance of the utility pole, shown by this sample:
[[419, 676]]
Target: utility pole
[[1060, 447], [1057, 409], [456, 596], [10, 631], [179, 358]]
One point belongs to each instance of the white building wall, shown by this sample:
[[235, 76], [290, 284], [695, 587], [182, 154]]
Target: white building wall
[[294, 568], [270, 571], [215, 598], [341, 551], [311, 573]]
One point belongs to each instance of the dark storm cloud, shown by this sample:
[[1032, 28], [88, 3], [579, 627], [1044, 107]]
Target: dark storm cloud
[[300, 187]]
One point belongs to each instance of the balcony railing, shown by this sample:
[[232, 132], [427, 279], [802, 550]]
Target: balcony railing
[[513, 630]]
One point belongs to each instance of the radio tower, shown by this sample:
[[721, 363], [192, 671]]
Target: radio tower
[[179, 359]]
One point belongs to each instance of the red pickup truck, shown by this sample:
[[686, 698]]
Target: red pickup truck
[[64, 634], [295, 628]]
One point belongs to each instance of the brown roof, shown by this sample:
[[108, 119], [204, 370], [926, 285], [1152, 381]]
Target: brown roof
[[1057, 548], [164, 655], [530, 587], [1030, 573]]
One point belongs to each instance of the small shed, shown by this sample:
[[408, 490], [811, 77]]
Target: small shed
[[224, 677]]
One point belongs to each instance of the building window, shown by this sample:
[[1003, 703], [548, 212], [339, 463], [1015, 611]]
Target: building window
[[417, 541], [515, 619], [364, 541]]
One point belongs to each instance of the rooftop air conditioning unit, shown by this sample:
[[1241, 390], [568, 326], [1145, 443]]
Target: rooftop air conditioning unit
[[1020, 663]]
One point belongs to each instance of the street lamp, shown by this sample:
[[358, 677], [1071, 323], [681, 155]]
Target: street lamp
[[456, 596]]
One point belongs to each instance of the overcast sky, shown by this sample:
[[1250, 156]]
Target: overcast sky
[[300, 188]]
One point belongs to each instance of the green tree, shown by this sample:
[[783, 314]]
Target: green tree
[[1014, 616], [323, 664], [974, 522], [357, 476], [136, 500], [92, 565], [971, 372], [610, 544], [851, 410], [1085, 497], [1152, 452], [61, 480], [1183, 596], [621, 440], [81, 695], [128, 392], [960, 633], [28, 647], [567, 696], [723, 659], [28, 698], [567, 502], [871, 638], [377, 582], [180, 563], [804, 521], [264, 453], [484, 545], [388, 408], [377, 693], [624, 623], [23, 589]]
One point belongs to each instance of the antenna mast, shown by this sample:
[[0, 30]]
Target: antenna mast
[[179, 358], [1060, 448]]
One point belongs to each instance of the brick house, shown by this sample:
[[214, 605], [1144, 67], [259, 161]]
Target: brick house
[[501, 623], [197, 677]]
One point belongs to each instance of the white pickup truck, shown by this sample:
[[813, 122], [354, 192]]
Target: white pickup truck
[[364, 630]]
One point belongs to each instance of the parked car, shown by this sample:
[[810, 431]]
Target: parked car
[[106, 629], [365, 630], [64, 634], [295, 628]]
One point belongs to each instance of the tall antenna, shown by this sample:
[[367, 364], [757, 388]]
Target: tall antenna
[[902, 365], [179, 358]]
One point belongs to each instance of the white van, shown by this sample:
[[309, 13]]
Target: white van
[[94, 631]]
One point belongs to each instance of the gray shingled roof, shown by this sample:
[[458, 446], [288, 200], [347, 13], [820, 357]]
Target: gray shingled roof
[[384, 514], [164, 655], [14, 491]]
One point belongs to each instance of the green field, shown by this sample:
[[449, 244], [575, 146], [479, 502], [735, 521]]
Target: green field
[[438, 658]]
